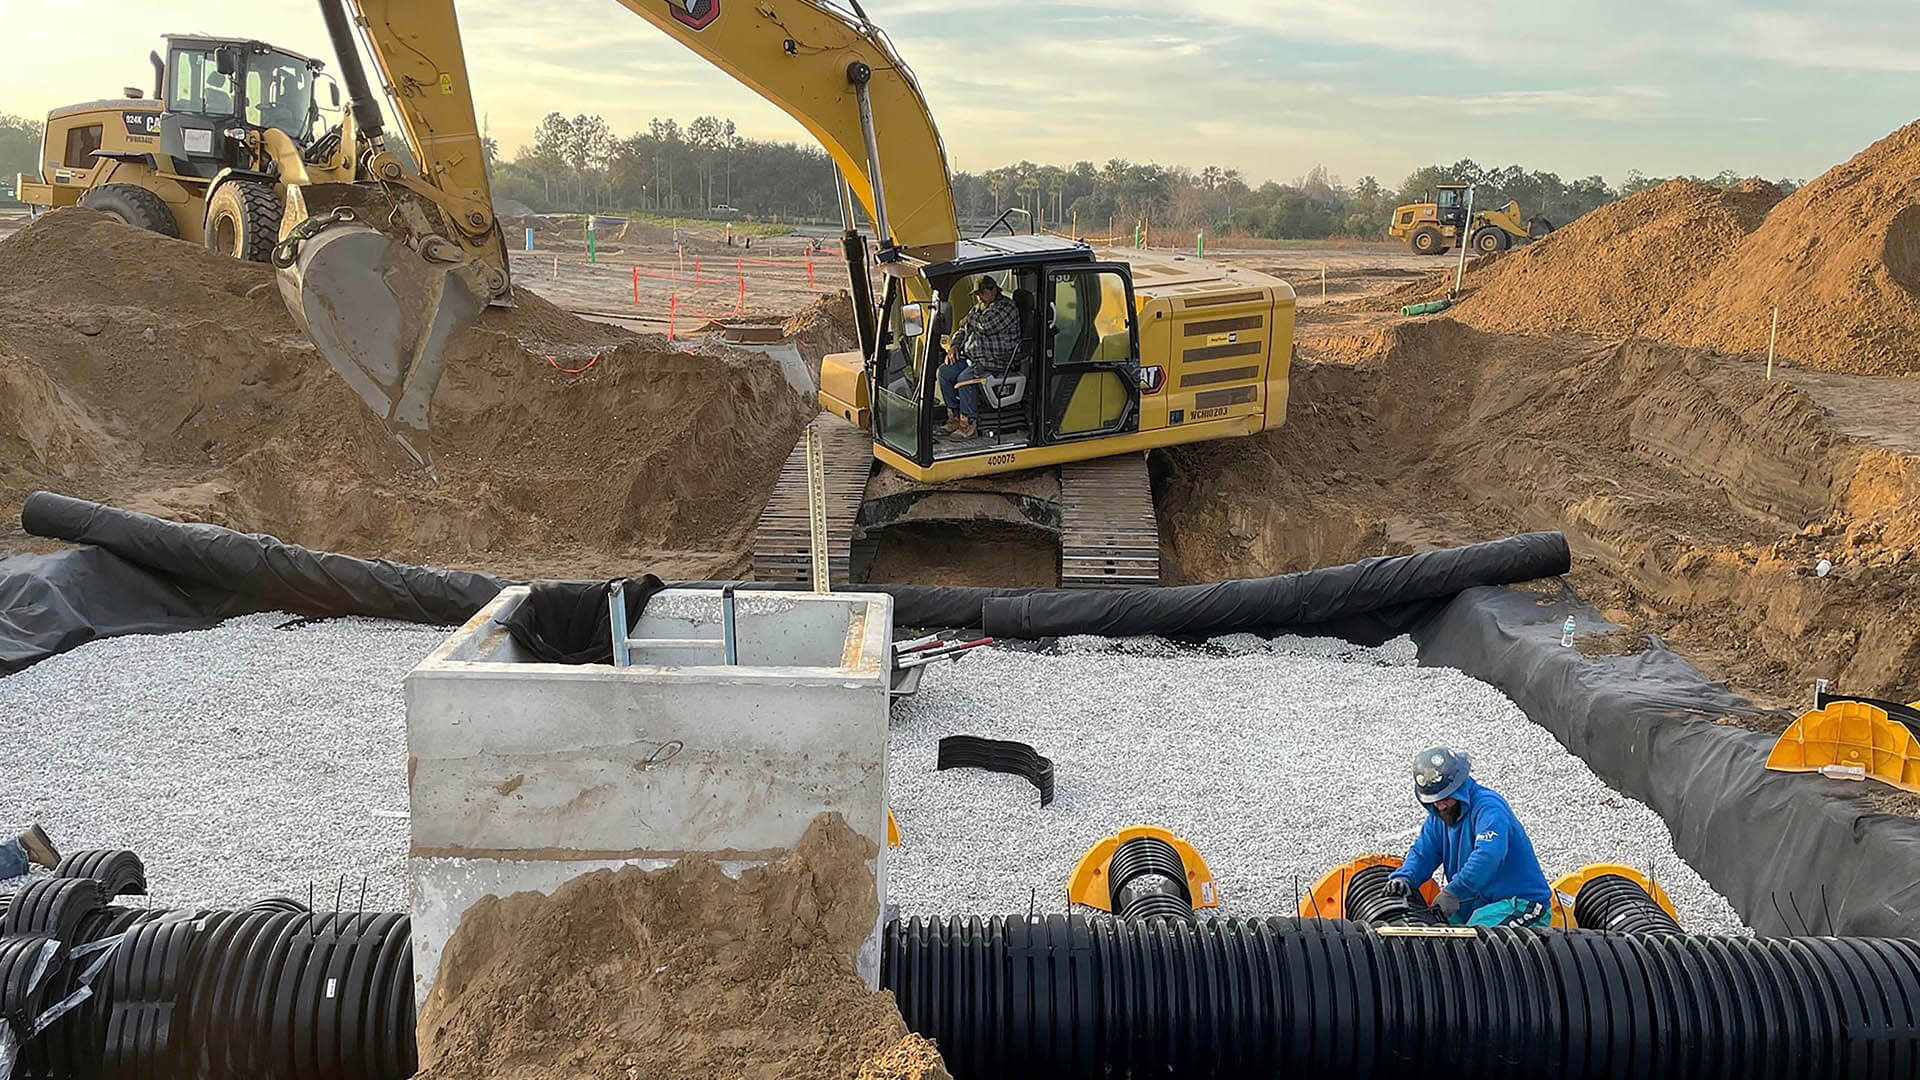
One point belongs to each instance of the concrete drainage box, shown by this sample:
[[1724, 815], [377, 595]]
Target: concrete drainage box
[[524, 775]]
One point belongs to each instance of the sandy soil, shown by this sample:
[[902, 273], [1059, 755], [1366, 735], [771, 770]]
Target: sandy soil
[[160, 377], [678, 972], [1697, 495]]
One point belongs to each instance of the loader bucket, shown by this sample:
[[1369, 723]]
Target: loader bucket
[[1850, 735], [382, 316]]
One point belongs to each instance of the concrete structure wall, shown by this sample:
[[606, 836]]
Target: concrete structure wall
[[524, 775]]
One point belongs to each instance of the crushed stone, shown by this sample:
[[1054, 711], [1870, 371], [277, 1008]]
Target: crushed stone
[[239, 762], [1277, 762], [247, 761]]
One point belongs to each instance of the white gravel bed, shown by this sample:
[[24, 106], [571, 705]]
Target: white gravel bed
[[248, 761], [1278, 761], [240, 762]]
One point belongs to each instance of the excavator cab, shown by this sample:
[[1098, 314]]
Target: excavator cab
[[1075, 374]]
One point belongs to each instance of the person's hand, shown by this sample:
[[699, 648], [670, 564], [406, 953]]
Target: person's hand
[[1446, 903], [1398, 888]]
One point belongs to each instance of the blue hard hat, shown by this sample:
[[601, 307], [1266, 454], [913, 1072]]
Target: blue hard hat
[[1438, 772]]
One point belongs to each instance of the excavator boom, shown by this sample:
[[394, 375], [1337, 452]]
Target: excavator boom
[[384, 275]]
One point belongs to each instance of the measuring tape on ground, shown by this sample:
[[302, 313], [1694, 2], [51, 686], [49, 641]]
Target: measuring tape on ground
[[817, 512]]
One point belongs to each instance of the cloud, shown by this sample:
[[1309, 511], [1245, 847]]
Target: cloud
[[1800, 40]]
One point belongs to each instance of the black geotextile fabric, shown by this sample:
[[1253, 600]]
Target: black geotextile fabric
[[148, 575], [1794, 852], [271, 574], [52, 603], [568, 622], [1308, 598]]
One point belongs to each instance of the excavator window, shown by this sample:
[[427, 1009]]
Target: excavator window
[[899, 376], [1090, 384]]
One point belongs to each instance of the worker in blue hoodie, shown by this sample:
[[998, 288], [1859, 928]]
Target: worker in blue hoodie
[[1493, 878]]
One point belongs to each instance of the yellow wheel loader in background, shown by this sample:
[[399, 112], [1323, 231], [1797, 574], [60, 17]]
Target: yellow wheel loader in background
[[1114, 357], [208, 157], [1435, 226]]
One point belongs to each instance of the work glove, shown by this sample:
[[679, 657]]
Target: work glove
[[1398, 888], [1446, 903]]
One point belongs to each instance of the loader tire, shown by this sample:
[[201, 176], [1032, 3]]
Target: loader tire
[[243, 220], [134, 205], [1490, 241], [1426, 240]]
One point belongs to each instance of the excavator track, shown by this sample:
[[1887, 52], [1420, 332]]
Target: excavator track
[[1109, 538], [782, 540]]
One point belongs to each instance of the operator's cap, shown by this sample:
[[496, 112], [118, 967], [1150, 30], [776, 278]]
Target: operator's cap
[[1439, 772], [986, 282]]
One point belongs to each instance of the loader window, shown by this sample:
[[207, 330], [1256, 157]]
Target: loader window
[[198, 86], [279, 93], [81, 143]]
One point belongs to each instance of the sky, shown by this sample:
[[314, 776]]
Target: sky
[[1270, 87]]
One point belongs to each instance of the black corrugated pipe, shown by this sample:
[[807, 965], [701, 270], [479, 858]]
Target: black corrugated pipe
[[1145, 877], [1063, 998], [1367, 901], [1611, 902]]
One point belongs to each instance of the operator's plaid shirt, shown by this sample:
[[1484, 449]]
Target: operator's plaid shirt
[[989, 337]]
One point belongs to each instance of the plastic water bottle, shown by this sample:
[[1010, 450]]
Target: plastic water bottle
[[1566, 633]]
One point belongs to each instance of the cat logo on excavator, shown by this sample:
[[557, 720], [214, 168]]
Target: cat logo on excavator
[[698, 14], [1853, 738]]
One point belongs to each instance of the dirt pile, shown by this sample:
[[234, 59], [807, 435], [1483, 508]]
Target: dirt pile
[[825, 326], [1613, 270], [1697, 265], [1698, 497], [149, 373], [682, 972], [1841, 259]]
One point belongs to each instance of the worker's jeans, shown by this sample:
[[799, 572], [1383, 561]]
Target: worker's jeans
[[13, 859], [964, 400], [1506, 913]]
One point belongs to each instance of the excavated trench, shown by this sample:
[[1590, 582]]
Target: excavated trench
[[1698, 496]]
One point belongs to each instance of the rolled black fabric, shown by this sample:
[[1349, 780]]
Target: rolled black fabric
[[55, 602], [1310, 597], [567, 622], [262, 569], [1071, 997]]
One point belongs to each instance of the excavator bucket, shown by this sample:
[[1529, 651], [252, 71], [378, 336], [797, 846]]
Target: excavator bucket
[[380, 313], [1850, 738]]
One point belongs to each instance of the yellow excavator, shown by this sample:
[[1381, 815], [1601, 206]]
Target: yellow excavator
[[1116, 358]]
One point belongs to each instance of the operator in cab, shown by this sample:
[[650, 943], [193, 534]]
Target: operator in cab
[[985, 342], [1493, 878]]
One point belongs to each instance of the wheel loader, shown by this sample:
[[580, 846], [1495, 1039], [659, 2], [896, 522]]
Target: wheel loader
[[1435, 226], [208, 156]]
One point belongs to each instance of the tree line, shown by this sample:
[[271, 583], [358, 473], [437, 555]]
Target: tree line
[[706, 168], [577, 163]]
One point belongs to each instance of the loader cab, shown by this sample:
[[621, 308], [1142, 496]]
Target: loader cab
[[1450, 204], [1074, 377], [218, 89]]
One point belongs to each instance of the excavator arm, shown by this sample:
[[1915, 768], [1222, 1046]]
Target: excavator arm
[[383, 275]]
